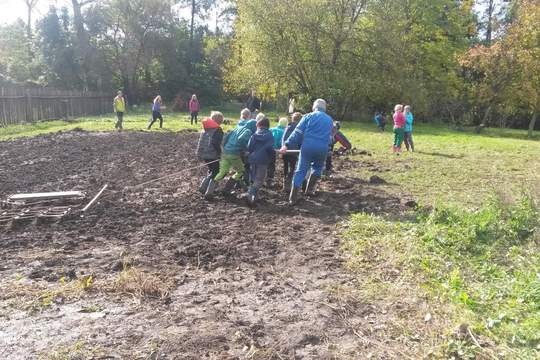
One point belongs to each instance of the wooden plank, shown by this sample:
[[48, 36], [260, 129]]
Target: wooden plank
[[47, 196]]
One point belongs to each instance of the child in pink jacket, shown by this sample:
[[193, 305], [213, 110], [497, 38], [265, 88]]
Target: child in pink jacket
[[399, 128], [194, 108]]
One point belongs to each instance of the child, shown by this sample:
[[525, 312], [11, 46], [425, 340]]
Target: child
[[399, 125], [261, 155], [156, 113], [378, 119], [119, 106], [289, 160], [209, 146], [234, 144], [408, 129], [194, 108], [277, 133]]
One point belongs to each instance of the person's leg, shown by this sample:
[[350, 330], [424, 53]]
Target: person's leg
[[271, 171], [317, 166], [213, 168], [304, 162], [196, 116], [152, 120], [120, 120], [160, 120], [400, 133], [224, 167], [406, 140], [411, 142], [238, 165], [328, 166]]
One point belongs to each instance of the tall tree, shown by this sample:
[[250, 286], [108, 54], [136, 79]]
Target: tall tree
[[83, 49], [30, 7], [197, 8]]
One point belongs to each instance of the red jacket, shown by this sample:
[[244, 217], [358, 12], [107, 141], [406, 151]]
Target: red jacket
[[194, 105]]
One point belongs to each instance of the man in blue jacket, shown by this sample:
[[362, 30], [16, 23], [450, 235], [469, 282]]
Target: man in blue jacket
[[313, 134]]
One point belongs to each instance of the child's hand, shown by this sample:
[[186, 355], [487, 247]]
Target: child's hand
[[283, 150]]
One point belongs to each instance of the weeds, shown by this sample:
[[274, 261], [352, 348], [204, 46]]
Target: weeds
[[138, 283], [484, 264]]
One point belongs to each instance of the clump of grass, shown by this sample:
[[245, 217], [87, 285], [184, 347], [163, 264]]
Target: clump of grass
[[77, 351], [141, 284]]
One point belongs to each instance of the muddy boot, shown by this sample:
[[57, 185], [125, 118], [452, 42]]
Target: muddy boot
[[229, 186], [312, 185], [204, 184], [252, 196], [293, 197], [210, 189]]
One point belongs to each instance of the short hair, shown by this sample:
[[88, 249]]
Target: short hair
[[283, 122], [398, 107], [216, 116], [319, 104], [263, 122], [407, 108], [119, 92], [296, 116], [245, 113]]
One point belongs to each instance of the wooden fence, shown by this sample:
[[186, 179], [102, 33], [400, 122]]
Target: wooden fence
[[27, 105]]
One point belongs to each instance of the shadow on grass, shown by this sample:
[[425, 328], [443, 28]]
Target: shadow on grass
[[438, 154]]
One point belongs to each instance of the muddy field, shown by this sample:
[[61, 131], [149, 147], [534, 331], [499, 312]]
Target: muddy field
[[157, 272]]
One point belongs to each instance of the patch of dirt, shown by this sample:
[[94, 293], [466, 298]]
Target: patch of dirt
[[246, 283]]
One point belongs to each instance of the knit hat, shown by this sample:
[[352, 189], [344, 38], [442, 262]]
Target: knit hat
[[283, 122]]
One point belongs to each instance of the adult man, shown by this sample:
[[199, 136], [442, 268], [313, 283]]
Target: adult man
[[253, 104], [119, 106], [313, 134]]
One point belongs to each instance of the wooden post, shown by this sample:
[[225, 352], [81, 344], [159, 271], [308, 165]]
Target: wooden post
[[29, 116]]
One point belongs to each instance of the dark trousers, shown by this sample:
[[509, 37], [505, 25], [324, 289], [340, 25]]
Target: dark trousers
[[156, 115], [289, 166], [119, 121], [194, 115], [213, 167], [272, 169], [408, 141]]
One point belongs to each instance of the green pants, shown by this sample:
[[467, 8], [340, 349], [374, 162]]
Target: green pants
[[227, 162], [399, 134]]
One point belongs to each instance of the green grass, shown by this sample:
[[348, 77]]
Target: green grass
[[134, 120], [451, 166]]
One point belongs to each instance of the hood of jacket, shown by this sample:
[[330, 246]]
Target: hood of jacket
[[209, 123]]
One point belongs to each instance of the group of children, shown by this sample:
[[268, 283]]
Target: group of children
[[249, 150], [403, 127]]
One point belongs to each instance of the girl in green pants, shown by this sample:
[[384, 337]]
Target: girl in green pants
[[399, 128]]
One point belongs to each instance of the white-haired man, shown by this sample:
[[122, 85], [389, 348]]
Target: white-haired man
[[313, 135]]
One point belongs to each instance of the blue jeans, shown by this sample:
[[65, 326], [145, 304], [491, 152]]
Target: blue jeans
[[310, 158]]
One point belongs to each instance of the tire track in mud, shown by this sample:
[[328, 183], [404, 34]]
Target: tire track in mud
[[261, 284]]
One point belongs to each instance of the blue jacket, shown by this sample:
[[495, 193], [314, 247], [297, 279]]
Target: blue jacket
[[378, 119], [314, 131], [277, 133], [408, 122], [261, 147], [236, 141]]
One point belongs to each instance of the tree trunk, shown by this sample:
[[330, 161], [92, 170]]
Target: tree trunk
[[83, 45], [489, 26], [192, 27], [531, 125]]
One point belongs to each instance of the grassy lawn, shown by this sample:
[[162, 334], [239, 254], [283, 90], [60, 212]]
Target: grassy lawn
[[134, 120], [471, 250]]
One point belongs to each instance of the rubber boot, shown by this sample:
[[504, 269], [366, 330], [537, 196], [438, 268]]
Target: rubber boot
[[293, 197], [312, 185], [252, 196], [229, 186], [204, 184], [210, 189]]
